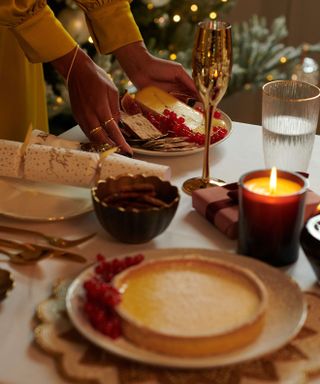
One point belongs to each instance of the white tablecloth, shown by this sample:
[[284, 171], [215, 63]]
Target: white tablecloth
[[21, 362]]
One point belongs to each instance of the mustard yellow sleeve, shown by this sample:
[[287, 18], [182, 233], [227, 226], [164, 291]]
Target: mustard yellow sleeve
[[111, 23], [39, 33]]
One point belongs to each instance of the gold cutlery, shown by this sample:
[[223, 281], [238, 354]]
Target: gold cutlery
[[30, 253], [19, 258], [52, 240]]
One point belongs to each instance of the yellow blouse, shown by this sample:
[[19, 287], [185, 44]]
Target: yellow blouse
[[42, 38], [22, 91]]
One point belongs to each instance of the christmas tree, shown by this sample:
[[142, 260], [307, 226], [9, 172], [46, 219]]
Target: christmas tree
[[167, 26]]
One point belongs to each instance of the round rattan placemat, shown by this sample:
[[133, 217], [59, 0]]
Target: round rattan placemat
[[80, 361]]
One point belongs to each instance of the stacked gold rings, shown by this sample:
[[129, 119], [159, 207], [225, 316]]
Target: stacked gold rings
[[105, 123], [97, 129]]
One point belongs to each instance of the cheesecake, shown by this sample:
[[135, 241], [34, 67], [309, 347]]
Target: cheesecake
[[190, 306]]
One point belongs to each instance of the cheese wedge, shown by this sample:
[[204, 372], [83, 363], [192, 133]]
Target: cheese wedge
[[157, 100], [190, 306]]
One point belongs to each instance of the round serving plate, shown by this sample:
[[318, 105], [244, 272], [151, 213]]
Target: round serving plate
[[284, 317], [147, 152]]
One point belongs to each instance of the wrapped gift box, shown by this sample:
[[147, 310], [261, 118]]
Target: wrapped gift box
[[219, 205]]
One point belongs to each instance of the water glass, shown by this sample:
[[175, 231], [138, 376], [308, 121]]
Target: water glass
[[290, 111]]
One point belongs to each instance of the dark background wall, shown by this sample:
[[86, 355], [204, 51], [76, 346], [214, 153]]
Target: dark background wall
[[303, 25]]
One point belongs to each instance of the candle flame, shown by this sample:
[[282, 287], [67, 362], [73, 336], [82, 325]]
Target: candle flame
[[273, 180], [318, 208]]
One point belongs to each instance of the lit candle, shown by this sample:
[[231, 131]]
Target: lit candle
[[271, 209], [272, 186]]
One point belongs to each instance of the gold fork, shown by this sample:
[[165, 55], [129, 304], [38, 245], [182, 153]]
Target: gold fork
[[30, 253], [52, 240]]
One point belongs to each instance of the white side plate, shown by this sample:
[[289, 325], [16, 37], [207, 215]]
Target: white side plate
[[27, 200]]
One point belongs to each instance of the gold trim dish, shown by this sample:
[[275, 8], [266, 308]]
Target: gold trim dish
[[285, 314]]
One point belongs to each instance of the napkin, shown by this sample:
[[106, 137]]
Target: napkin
[[219, 205]]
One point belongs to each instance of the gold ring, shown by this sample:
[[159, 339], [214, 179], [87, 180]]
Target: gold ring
[[108, 121], [95, 130]]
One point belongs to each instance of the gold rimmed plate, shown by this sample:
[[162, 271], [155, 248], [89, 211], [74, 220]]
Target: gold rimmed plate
[[285, 315], [33, 201]]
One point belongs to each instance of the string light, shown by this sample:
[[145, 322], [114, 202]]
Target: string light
[[173, 56], [150, 6], [176, 18], [283, 60], [213, 15], [162, 21], [194, 7], [224, 1], [59, 100], [269, 77], [90, 40]]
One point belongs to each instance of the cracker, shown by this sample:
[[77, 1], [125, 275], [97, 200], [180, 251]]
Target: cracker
[[141, 126]]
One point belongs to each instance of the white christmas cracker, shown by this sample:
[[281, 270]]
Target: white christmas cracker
[[116, 165], [69, 166], [60, 165], [10, 158], [43, 138]]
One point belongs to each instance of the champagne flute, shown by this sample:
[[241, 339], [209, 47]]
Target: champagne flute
[[211, 70]]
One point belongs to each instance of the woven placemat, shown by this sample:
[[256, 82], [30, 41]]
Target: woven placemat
[[80, 361]]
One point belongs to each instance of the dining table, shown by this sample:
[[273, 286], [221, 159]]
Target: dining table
[[22, 361]]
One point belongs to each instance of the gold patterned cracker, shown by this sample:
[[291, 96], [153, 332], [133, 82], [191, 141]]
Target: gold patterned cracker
[[60, 165], [10, 158]]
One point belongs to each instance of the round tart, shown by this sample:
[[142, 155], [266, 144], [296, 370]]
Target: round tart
[[190, 306]]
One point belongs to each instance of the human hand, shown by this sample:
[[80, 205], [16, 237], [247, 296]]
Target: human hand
[[94, 99], [144, 69]]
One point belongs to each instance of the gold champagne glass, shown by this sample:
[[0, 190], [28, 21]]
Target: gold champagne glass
[[211, 70]]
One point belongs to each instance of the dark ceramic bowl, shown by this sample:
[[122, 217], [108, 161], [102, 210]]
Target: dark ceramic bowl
[[131, 224]]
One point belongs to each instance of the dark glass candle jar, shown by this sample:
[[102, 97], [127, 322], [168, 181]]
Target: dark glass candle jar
[[310, 242], [270, 225]]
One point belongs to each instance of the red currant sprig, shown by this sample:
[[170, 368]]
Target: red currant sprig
[[174, 125], [101, 297], [108, 269]]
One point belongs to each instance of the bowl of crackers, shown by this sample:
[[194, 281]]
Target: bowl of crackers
[[135, 208]]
